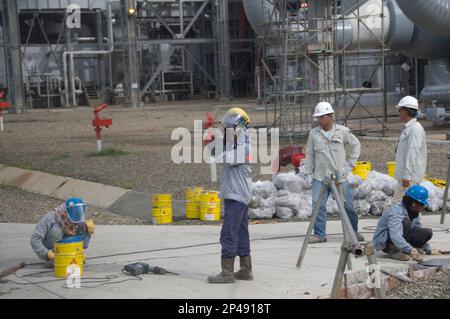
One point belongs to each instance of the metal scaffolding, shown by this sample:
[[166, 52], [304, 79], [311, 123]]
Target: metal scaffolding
[[302, 63], [13, 57]]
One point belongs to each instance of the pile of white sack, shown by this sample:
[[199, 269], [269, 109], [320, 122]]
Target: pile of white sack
[[288, 195]]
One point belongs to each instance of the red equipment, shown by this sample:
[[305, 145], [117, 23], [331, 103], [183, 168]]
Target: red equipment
[[4, 105], [210, 122], [291, 155], [98, 123]]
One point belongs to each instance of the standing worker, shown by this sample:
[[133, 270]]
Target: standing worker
[[236, 191], [331, 150], [411, 152], [399, 231], [66, 220]]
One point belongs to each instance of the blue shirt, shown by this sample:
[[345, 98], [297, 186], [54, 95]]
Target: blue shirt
[[391, 223]]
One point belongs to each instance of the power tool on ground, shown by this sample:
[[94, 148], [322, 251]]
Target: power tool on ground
[[140, 268]]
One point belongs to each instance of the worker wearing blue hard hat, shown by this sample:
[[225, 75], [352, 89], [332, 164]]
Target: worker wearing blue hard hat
[[66, 220], [399, 232]]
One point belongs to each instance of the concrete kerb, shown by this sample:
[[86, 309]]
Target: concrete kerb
[[8, 175], [116, 200], [92, 193]]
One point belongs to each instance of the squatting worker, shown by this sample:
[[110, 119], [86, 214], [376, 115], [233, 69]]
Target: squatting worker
[[66, 220], [236, 191], [411, 153], [399, 231], [331, 149]]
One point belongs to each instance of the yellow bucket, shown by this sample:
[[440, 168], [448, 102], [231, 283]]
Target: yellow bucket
[[391, 169], [162, 200], [68, 248], [210, 211], [193, 193], [209, 197], [162, 215], [192, 209], [63, 261], [362, 169], [192, 197]]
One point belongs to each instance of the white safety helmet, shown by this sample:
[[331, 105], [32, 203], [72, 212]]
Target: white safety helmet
[[323, 108], [408, 101]]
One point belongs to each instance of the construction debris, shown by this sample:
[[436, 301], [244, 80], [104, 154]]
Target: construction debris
[[289, 195]]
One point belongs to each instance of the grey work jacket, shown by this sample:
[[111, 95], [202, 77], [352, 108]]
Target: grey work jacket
[[411, 154], [48, 231], [337, 156], [236, 177]]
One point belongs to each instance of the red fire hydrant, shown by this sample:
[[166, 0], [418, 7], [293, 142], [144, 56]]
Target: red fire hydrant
[[4, 105], [98, 123]]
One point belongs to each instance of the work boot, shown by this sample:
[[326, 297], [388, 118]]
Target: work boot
[[359, 236], [395, 253], [398, 255], [245, 273], [316, 240], [226, 276]]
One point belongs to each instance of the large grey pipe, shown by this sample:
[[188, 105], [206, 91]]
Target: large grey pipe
[[432, 15], [439, 88]]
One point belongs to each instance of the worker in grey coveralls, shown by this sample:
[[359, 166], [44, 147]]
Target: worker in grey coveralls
[[236, 191], [411, 153], [331, 149], [399, 231], [66, 220]]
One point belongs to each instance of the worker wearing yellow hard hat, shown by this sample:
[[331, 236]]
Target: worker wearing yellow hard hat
[[236, 191]]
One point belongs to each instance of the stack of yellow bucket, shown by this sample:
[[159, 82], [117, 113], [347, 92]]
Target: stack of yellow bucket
[[162, 208], [68, 254], [209, 206], [391, 169], [192, 197], [362, 169]]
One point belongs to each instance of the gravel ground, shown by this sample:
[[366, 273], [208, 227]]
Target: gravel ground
[[436, 287], [61, 141]]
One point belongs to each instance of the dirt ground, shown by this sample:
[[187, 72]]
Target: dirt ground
[[436, 287], [62, 141]]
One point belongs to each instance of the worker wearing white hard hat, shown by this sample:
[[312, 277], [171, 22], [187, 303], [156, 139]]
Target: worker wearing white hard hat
[[411, 151], [331, 149]]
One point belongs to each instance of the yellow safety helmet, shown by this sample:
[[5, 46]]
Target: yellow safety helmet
[[235, 117]]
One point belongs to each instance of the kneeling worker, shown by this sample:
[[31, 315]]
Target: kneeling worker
[[399, 232], [66, 220]]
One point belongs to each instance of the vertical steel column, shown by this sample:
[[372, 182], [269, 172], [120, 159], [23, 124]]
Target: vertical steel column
[[132, 62], [11, 32], [447, 185], [101, 59], [224, 49], [66, 73]]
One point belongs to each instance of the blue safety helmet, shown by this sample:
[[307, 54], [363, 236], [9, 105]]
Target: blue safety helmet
[[418, 193], [76, 210]]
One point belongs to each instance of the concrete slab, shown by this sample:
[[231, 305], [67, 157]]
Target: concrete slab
[[134, 204], [194, 253], [92, 193]]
